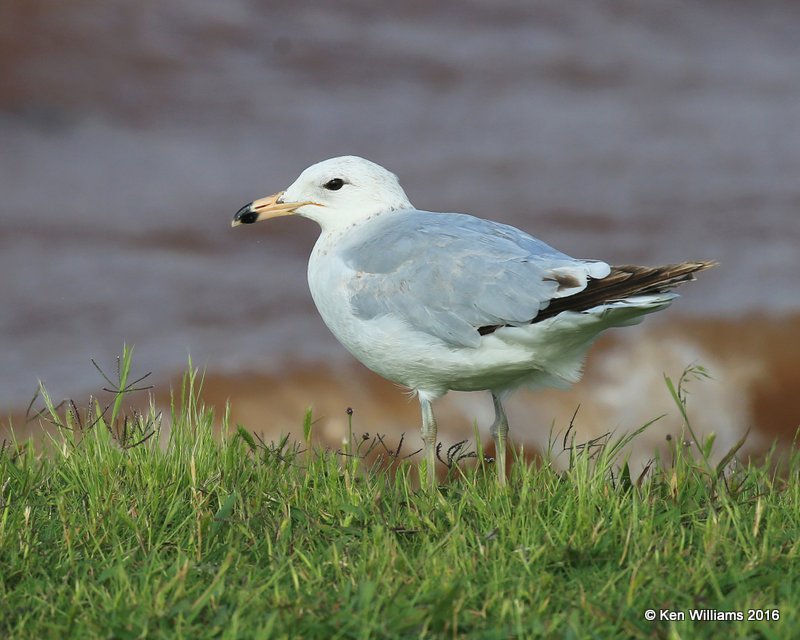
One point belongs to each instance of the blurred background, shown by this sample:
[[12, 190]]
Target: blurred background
[[649, 132]]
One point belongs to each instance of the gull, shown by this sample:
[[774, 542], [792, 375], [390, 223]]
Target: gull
[[442, 302]]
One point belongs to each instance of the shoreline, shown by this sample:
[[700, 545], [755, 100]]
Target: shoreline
[[751, 362]]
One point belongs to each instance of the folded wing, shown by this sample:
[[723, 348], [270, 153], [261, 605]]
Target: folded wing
[[452, 275]]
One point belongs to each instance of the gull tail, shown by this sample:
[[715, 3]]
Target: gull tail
[[625, 282]]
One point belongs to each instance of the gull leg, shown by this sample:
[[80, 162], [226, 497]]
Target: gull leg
[[429, 440], [499, 431]]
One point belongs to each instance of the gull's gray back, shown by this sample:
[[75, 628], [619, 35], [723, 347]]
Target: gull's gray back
[[447, 274]]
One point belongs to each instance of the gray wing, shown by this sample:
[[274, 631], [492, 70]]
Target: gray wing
[[448, 274]]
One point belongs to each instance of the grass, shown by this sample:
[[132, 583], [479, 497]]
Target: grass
[[117, 532]]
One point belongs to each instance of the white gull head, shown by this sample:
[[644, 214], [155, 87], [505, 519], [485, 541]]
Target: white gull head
[[335, 193], [341, 191]]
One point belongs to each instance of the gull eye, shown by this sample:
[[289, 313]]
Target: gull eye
[[334, 185]]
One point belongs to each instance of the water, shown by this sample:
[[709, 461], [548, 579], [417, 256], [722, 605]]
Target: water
[[130, 134]]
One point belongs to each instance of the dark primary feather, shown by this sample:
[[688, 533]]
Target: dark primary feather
[[623, 282]]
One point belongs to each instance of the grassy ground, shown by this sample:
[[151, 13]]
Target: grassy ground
[[114, 534]]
